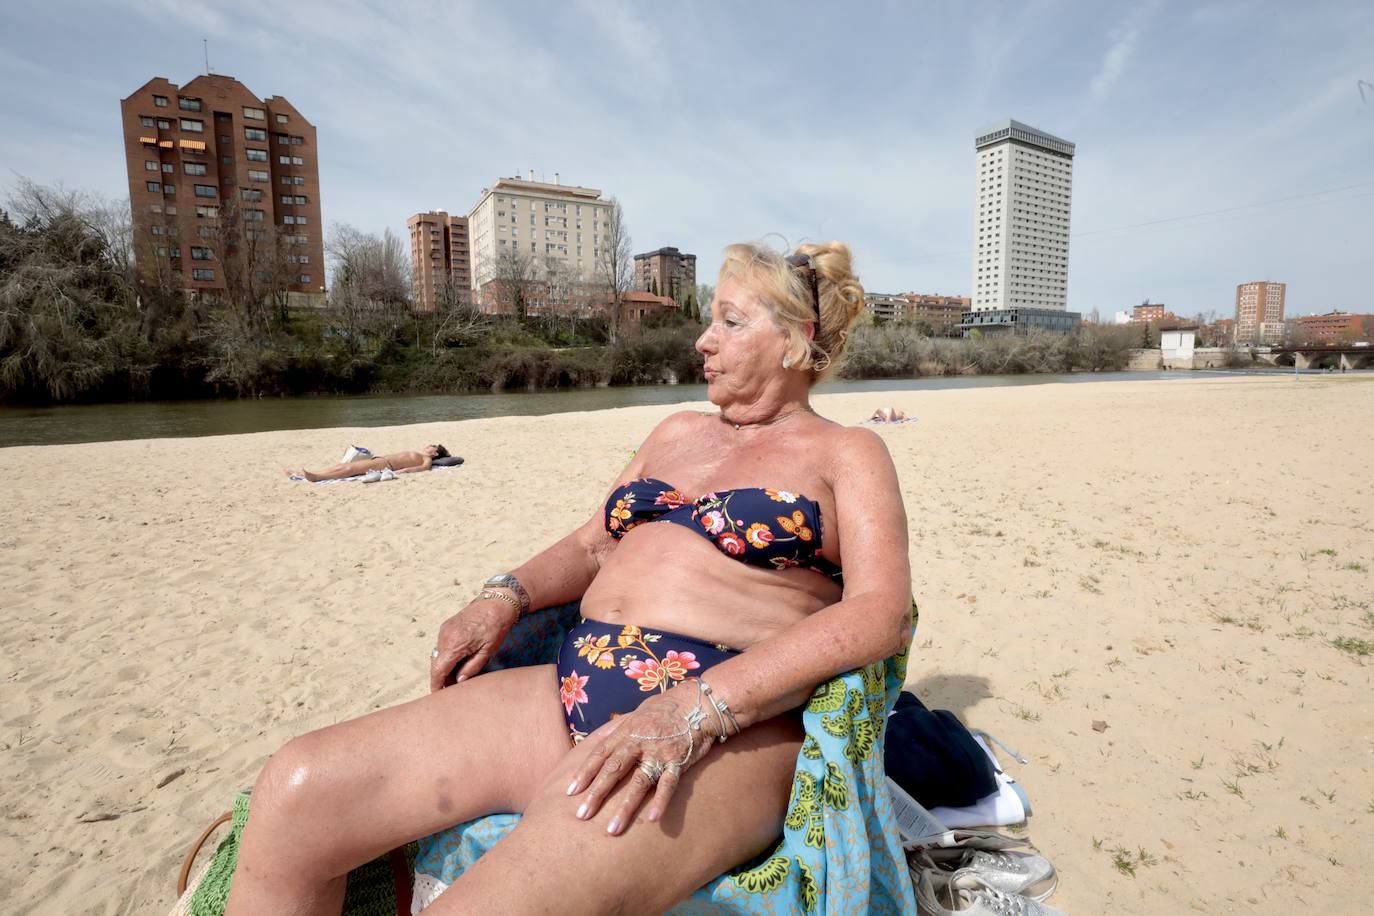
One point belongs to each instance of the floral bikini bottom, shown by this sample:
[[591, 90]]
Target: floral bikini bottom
[[606, 670]]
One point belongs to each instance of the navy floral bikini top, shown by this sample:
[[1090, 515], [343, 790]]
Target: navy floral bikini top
[[755, 525]]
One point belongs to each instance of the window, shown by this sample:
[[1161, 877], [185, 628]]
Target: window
[[146, 121], [297, 160], [176, 251], [228, 180], [257, 175], [283, 139], [171, 211], [192, 125], [297, 141], [305, 278], [281, 119], [164, 124], [297, 179], [256, 155], [226, 160], [206, 190], [254, 114], [300, 199], [286, 179], [150, 165], [193, 168], [305, 259], [156, 230], [160, 101], [253, 133], [168, 168], [202, 273], [251, 194], [283, 160], [188, 104], [207, 212], [300, 221], [155, 208], [201, 254], [253, 216], [288, 199], [288, 221], [154, 186], [225, 139]]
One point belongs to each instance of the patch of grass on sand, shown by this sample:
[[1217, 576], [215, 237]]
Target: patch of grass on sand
[[1359, 647]]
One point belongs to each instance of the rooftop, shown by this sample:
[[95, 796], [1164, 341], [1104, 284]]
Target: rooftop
[[1011, 129]]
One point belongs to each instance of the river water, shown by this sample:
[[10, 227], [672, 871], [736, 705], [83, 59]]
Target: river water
[[159, 419]]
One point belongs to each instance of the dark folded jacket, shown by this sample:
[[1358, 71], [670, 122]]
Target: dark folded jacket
[[934, 758]]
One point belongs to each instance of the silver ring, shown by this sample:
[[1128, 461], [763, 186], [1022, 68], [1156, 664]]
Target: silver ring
[[652, 769], [675, 768], [435, 653]]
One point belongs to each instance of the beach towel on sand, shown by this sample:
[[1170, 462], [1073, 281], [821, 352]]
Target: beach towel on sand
[[839, 852]]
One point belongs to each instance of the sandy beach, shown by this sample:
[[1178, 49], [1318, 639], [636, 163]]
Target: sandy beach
[[1189, 561]]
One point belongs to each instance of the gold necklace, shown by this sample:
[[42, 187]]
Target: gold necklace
[[778, 419]]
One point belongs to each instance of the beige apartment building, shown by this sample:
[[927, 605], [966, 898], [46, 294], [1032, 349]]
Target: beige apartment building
[[666, 272], [555, 225], [439, 258], [224, 186], [1259, 312]]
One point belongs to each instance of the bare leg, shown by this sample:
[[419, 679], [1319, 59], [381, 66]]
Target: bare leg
[[336, 798], [340, 471], [729, 808]]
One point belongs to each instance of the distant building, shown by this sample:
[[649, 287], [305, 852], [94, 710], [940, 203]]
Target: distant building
[[215, 174], [667, 272], [1259, 312], [439, 258], [1219, 333], [1150, 311], [1022, 207], [547, 225], [637, 304], [1333, 328], [1019, 322], [941, 313], [1121, 318]]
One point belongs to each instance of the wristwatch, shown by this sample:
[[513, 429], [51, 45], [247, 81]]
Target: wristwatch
[[506, 580]]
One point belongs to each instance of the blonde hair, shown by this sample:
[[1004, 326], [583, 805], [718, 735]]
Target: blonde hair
[[786, 291]]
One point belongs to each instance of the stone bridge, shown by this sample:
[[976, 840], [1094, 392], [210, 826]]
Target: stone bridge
[[1347, 357]]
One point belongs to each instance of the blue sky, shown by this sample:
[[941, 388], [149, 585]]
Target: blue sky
[[714, 122]]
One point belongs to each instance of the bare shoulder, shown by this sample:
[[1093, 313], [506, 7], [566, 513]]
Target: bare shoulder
[[676, 424], [854, 449]]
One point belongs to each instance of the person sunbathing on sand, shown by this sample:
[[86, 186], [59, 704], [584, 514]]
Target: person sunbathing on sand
[[396, 462], [887, 415]]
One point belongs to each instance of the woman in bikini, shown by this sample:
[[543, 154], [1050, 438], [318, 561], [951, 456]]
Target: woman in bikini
[[396, 462], [713, 605]]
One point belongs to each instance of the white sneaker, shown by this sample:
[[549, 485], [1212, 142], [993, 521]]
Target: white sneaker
[[372, 477], [387, 474], [965, 893], [1008, 872]]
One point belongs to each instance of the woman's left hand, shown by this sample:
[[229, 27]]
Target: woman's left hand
[[653, 738]]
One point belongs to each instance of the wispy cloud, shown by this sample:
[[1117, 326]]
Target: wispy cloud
[[1122, 44]]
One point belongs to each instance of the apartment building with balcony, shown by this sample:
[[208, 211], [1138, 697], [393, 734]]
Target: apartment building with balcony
[[1259, 312], [666, 272], [224, 187], [440, 259], [557, 228]]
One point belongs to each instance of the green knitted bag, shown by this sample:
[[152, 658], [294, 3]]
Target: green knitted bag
[[371, 887]]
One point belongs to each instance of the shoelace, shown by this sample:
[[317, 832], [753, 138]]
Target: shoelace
[[984, 893], [995, 859]]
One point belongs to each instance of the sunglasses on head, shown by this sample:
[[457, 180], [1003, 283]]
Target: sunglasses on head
[[803, 262]]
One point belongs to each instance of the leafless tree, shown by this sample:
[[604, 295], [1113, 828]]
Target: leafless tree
[[456, 319], [615, 266], [514, 287]]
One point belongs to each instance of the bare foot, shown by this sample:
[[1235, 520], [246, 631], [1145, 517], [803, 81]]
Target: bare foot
[[302, 473]]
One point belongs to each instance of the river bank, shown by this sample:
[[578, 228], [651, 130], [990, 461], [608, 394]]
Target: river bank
[[1187, 562]]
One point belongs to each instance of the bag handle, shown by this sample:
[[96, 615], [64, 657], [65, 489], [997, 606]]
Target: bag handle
[[195, 850]]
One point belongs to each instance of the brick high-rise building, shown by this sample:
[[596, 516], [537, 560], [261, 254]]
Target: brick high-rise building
[[224, 188], [1259, 312], [667, 272], [439, 258]]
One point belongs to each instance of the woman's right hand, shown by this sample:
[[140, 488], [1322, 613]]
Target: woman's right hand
[[474, 634]]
